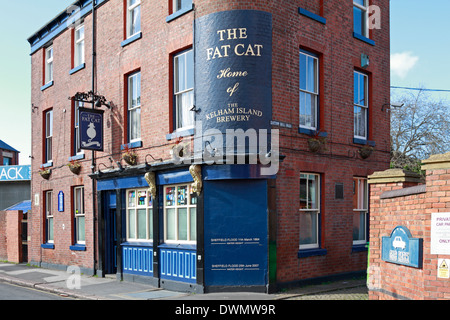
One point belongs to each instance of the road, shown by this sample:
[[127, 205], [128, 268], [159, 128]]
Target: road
[[13, 292]]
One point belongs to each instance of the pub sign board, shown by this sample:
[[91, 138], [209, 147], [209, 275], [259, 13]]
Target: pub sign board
[[233, 73], [91, 129], [401, 248]]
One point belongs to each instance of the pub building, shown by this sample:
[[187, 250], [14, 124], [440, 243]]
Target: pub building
[[209, 145]]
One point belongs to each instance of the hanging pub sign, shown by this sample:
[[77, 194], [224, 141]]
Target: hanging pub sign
[[91, 129], [401, 248]]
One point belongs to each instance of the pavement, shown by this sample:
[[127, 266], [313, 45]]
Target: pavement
[[83, 287]]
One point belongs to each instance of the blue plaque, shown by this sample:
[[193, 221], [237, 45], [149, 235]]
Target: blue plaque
[[233, 78], [61, 201], [91, 129], [401, 248]]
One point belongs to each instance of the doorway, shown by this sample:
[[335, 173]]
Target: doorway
[[110, 236]]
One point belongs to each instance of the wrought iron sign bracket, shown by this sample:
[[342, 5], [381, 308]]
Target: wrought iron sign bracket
[[91, 97]]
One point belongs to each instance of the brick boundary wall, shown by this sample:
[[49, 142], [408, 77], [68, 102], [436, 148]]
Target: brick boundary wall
[[400, 198], [11, 236]]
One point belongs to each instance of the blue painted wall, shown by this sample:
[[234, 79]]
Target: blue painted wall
[[236, 233]]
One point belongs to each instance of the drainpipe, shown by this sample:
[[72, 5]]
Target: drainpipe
[[94, 193]]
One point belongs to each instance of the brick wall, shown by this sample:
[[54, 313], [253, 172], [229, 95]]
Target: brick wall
[[413, 210], [10, 236]]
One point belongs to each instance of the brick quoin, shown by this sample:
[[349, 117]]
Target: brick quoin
[[339, 53]]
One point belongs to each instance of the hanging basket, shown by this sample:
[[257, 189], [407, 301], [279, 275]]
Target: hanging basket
[[129, 158], [45, 173], [75, 168], [365, 152], [316, 144]]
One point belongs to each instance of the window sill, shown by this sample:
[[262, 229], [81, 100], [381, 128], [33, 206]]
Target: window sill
[[76, 69], [77, 157], [47, 85], [138, 243], [131, 145], [180, 133], [178, 246], [359, 247], [179, 13], [78, 247], [47, 165], [364, 39], [312, 252], [364, 142], [131, 39], [311, 15], [48, 246], [312, 132]]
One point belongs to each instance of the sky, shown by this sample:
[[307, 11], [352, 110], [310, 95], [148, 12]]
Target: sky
[[420, 46]]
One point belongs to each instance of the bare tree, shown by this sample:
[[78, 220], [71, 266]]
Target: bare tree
[[418, 129]]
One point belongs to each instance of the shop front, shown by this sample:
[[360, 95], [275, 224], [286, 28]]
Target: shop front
[[183, 231]]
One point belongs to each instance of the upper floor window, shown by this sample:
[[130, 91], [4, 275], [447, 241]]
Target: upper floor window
[[309, 210], [49, 64], [79, 46], [76, 131], [184, 89], [361, 104], [309, 90], [360, 210], [133, 17], [181, 4], [360, 17], [48, 136], [134, 107]]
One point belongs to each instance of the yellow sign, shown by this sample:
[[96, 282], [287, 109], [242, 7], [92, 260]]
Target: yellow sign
[[443, 271]]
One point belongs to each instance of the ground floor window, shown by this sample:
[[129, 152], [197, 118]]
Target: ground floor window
[[48, 196], [180, 214], [139, 214], [360, 210], [309, 210], [79, 216]]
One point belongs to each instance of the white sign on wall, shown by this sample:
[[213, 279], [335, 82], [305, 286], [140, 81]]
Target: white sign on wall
[[440, 233]]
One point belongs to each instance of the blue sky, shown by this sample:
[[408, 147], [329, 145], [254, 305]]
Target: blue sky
[[420, 46]]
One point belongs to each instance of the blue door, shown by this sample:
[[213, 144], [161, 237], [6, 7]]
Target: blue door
[[110, 234]]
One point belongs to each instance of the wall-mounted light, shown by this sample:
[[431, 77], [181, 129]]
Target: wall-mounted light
[[395, 105]]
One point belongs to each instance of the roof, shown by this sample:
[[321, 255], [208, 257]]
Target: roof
[[24, 206], [76, 11], [5, 146]]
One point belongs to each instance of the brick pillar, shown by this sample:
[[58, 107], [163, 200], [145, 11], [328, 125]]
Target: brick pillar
[[381, 221], [438, 200]]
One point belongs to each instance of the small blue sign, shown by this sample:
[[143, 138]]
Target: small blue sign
[[15, 173], [91, 129], [402, 248], [61, 201]]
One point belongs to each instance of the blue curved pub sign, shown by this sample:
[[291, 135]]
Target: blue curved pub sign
[[401, 248]]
